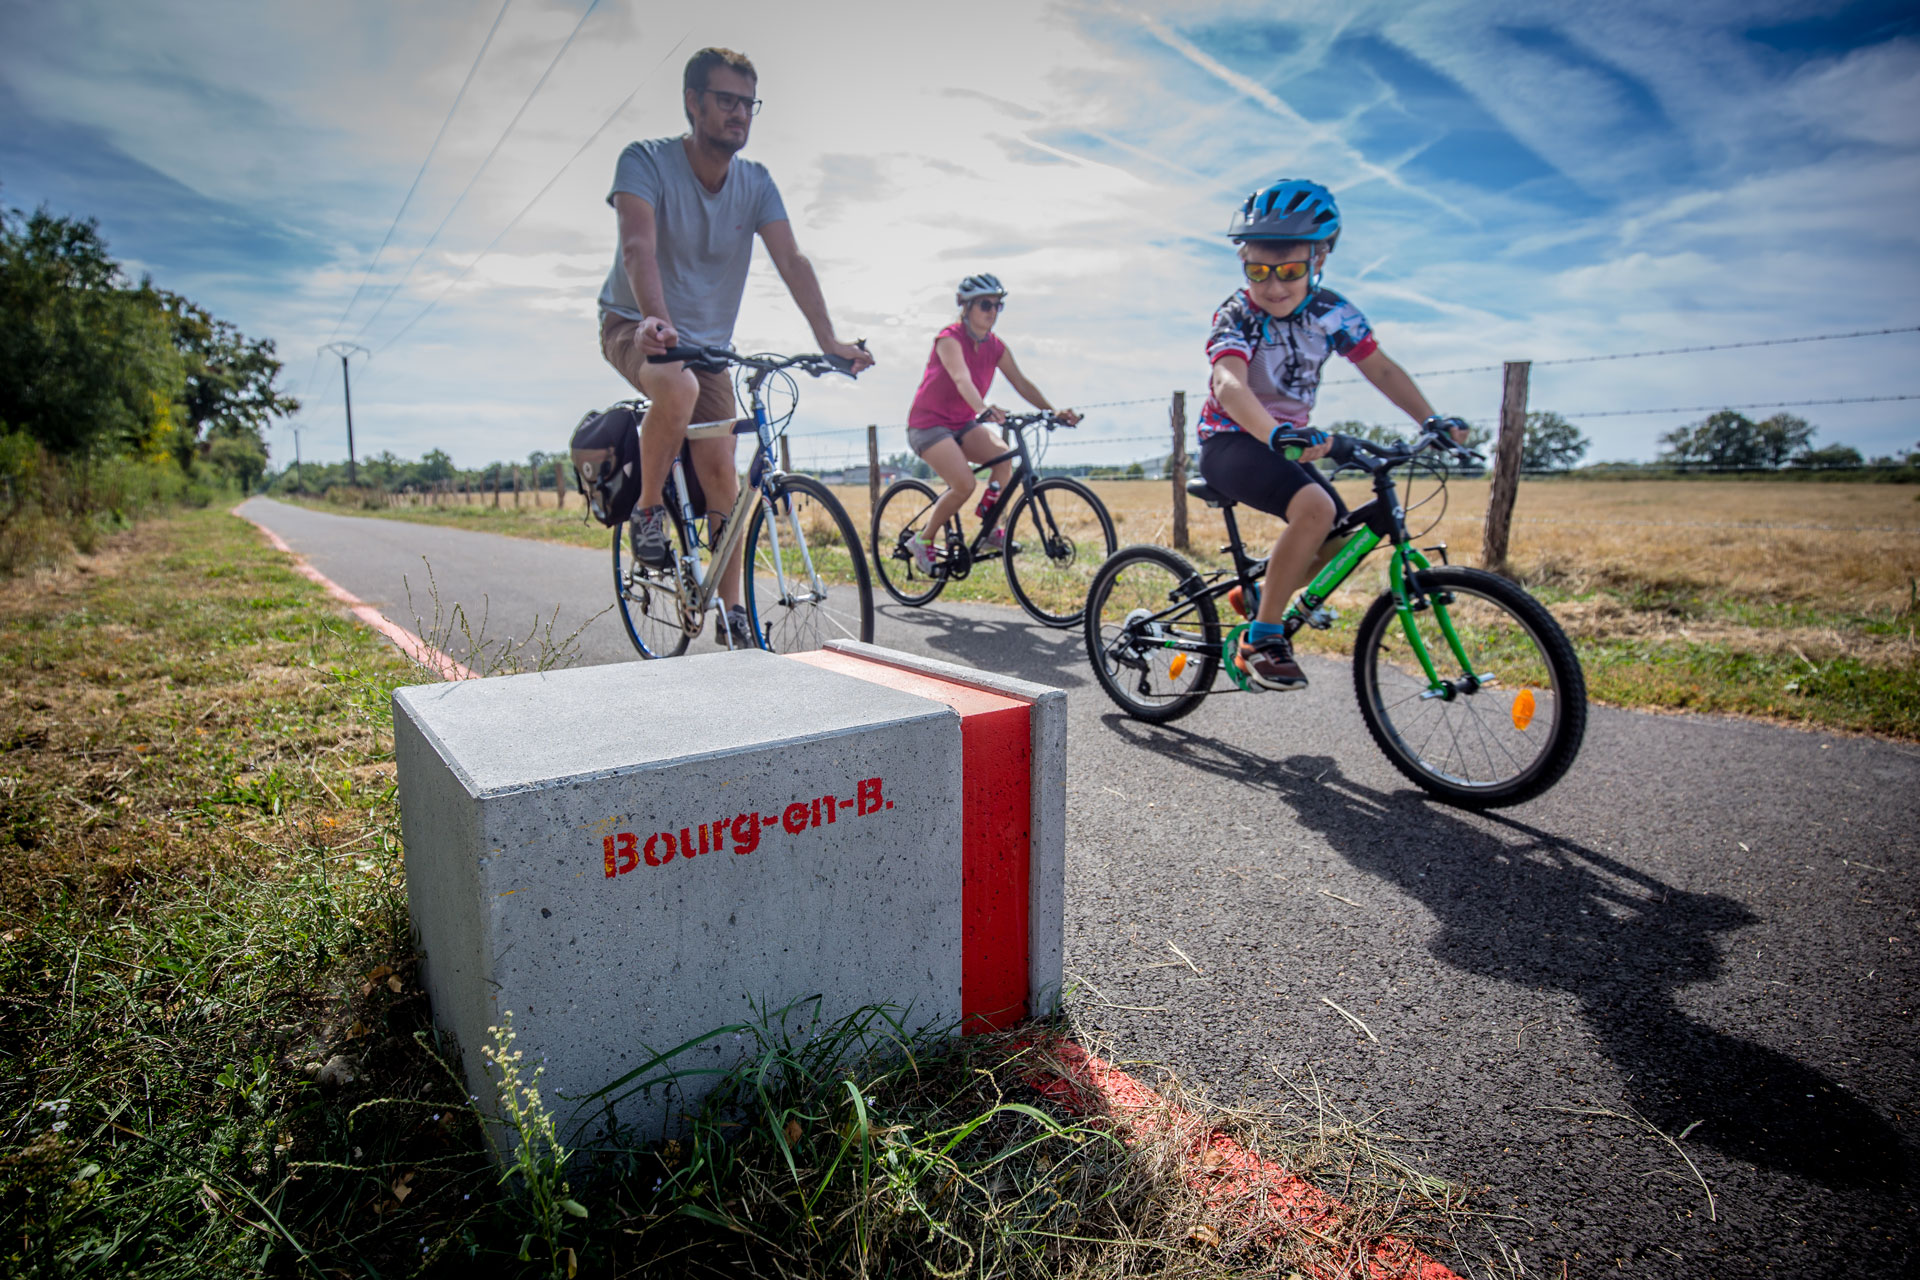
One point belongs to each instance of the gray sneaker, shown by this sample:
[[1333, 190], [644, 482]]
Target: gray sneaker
[[736, 632], [647, 535]]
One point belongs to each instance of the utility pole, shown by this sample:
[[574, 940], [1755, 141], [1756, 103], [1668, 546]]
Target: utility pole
[[344, 350]]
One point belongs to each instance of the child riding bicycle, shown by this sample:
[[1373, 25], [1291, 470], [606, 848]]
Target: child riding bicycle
[[945, 426], [1266, 348]]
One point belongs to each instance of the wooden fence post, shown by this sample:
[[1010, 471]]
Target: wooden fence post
[[1506, 466], [1177, 466], [559, 486], [496, 488], [873, 469], [516, 486]]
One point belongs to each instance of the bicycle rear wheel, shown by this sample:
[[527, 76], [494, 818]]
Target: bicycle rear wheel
[[806, 580], [1132, 653], [903, 509], [1496, 735], [1058, 536], [648, 599]]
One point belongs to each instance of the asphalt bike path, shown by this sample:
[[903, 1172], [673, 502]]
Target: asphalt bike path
[[1706, 929]]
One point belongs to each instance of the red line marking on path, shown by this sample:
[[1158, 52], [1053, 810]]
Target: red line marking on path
[[1232, 1180], [408, 643]]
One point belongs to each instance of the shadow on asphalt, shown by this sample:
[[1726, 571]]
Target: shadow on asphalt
[[1013, 646], [1535, 909]]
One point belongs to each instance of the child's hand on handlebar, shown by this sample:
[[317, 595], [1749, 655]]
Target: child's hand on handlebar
[[1454, 426], [656, 335]]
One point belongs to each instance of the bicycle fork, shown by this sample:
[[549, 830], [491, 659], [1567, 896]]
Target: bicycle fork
[[1408, 600]]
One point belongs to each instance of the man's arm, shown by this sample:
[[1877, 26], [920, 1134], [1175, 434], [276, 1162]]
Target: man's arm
[[638, 240], [805, 288]]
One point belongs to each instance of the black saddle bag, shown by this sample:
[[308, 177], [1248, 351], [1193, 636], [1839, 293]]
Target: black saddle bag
[[606, 464]]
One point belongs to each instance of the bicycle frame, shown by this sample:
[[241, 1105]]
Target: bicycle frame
[[759, 481], [1018, 483], [1382, 520]]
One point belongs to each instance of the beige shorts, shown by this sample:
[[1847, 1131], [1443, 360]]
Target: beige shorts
[[620, 344]]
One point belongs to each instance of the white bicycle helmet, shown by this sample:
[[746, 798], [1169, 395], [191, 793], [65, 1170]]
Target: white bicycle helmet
[[984, 285]]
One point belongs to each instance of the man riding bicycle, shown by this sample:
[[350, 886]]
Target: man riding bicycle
[[688, 209]]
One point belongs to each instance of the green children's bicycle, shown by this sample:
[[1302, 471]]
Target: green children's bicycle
[[1464, 680]]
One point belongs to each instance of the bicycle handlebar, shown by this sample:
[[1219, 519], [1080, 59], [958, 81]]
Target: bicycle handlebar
[[714, 359], [1044, 418], [1346, 450]]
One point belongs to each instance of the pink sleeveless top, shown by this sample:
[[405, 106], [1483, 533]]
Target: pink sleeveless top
[[937, 403]]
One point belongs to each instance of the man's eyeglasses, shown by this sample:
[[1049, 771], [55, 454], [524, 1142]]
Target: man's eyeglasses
[[990, 304], [732, 102], [1286, 272]]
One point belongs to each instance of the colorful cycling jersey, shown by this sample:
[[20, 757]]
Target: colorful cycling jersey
[[1283, 356]]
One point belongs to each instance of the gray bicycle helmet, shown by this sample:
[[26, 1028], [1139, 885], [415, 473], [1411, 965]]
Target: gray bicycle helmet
[[1290, 209], [984, 285]]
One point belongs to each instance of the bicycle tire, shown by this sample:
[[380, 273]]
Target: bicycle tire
[[651, 613], [1440, 743], [1050, 567], [893, 520], [1146, 578], [802, 620]]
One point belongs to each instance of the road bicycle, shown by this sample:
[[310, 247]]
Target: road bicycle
[[804, 576], [1057, 534], [1464, 680]]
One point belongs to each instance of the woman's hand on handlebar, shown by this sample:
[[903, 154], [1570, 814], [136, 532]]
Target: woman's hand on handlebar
[[657, 335], [1066, 417], [992, 413]]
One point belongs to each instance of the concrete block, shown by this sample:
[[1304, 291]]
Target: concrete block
[[629, 856], [1047, 828]]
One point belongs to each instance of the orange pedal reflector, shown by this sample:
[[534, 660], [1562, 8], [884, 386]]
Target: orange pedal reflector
[[1178, 665], [1523, 710]]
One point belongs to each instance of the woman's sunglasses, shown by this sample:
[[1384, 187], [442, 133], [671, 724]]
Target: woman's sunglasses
[[990, 304], [1286, 272]]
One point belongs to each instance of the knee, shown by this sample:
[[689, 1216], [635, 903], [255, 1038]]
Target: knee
[[1311, 511], [964, 486], [672, 391]]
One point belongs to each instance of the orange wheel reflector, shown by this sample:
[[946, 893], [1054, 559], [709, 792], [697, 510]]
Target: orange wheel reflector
[[1523, 710], [1178, 665]]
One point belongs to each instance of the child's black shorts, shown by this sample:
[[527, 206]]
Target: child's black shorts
[[1245, 471]]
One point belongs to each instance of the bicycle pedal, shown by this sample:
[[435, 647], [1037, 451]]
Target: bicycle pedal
[[1321, 619]]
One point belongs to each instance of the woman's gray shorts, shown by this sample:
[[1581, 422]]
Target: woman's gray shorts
[[920, 439]]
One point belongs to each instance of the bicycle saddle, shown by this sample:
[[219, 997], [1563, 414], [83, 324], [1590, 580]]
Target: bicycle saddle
[[1208, 494]]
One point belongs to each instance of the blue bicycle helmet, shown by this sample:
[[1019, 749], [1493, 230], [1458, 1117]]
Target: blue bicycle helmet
[[1290, 209], [984, 285]]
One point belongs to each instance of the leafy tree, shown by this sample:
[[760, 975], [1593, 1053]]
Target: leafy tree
[[1552, 444], [87, 364], [1834, 455], [1732, 441], [229, 393], [1782, 436]]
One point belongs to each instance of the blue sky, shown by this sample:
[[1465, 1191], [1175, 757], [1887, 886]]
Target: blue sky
[[1519, 181]]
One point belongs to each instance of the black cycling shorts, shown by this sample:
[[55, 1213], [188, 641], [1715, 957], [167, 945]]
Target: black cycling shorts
[[1244, 470]]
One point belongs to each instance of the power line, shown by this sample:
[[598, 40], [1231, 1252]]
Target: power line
[[501, 141], [458, 98], [591, 139]]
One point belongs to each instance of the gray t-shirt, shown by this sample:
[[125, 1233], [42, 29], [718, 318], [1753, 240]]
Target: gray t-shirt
[[703, 241]]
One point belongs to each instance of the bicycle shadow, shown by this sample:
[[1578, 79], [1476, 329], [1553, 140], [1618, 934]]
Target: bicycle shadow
[[1545, 911], [1014, 645]]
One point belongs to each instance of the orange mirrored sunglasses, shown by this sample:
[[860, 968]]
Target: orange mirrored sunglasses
[[1286, 272]]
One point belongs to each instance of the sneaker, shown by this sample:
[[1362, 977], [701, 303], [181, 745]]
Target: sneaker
[[1270, 664], [647, 534], [736, 632], [1245, 601], [997, 540], [923, 556]]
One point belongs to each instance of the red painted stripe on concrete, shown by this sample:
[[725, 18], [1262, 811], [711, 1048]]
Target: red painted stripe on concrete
[[407, 642], [1231, 1179], [996, 831]]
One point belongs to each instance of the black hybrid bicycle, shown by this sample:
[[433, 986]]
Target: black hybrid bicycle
[[1465, 681], [1057, 534], [804, 576]]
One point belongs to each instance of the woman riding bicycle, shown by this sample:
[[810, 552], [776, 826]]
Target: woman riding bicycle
[[944, 426]]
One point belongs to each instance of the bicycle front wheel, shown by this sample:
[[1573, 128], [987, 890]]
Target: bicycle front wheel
[[902, 512], [1058, 536], [649, 599], [807, 577], [1498, 732], [1155, 656]]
